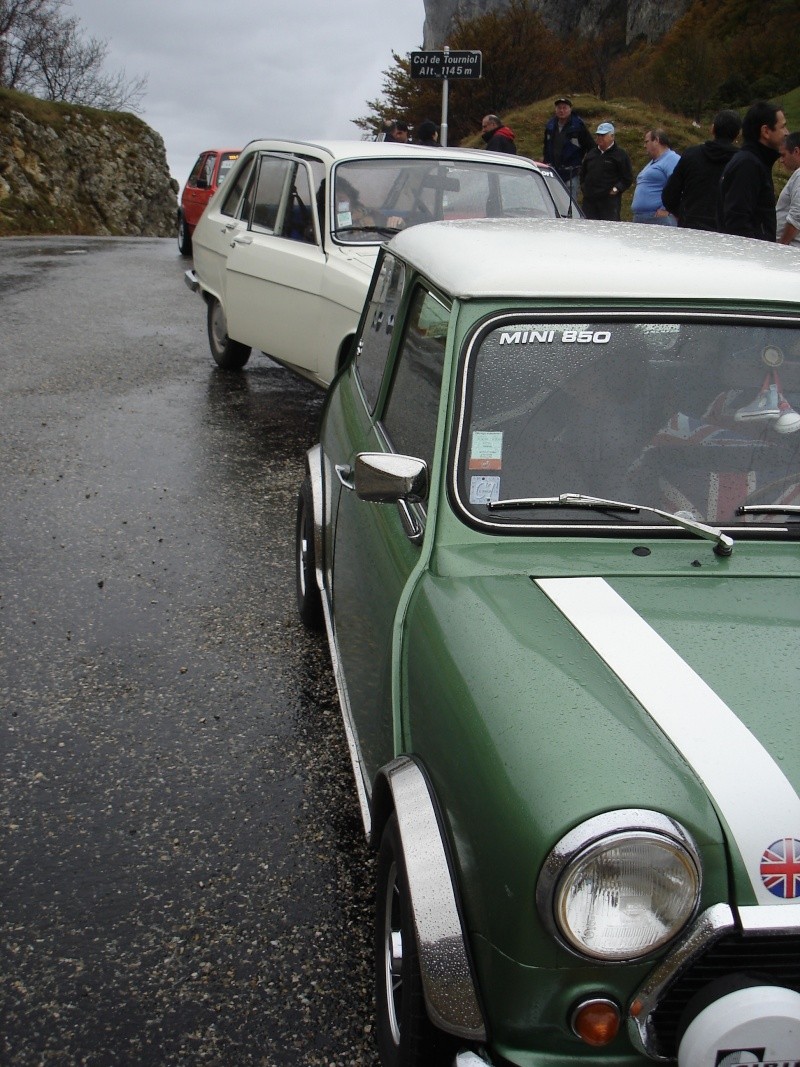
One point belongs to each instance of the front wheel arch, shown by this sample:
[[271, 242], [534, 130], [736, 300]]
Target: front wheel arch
[[405, 1035], [401, 792]]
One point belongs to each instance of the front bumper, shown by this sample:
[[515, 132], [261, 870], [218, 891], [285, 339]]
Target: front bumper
[[191, 279]]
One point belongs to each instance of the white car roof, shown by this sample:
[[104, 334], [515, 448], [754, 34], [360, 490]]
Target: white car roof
[[337, 150], [578, 258]]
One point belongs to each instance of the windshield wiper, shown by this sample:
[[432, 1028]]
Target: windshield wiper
[[769, 509], [365, 229], [723, 544]]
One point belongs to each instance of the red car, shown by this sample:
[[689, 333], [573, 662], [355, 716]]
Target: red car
[[208, 173]]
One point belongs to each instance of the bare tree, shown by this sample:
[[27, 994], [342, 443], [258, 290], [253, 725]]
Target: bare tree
[[44, 52], [20, 20]]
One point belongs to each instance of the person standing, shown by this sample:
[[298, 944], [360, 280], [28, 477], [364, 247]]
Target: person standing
[[788, 207], [428, 134], [746, 201], [605, 175], [396, 132], [498, 138], [691, 190], [566, 142], [647, 204]]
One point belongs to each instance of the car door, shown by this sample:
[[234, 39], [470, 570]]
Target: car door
[[377, 546], [275, 266], [198, 187], [226, 216]]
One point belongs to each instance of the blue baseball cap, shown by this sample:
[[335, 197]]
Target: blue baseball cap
[[604, 127]]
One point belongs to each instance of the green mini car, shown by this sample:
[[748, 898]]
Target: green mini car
[[551, 529]]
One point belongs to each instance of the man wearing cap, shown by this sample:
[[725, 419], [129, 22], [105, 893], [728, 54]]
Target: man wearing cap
[[606, 173], [566, 142]]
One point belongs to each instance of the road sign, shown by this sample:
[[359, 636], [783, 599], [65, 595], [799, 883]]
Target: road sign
[[447, 64]]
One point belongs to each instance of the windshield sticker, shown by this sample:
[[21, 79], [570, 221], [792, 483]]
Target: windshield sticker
[[484, 488], [344, 216], [487, 451]]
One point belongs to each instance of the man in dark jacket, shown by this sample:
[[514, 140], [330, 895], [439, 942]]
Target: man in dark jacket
[[605, 175], [498, 138], [566, 142], [746, 201], [691, 189]]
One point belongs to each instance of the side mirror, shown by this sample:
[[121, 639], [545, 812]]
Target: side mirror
[[387, 478]]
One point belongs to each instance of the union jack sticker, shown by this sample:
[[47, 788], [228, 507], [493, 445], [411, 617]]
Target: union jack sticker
[[780, 868]]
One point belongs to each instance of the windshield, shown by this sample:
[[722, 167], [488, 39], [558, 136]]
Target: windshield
[[696, 418], [379, 194]]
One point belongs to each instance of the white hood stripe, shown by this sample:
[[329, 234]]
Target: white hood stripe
[[749, 789]]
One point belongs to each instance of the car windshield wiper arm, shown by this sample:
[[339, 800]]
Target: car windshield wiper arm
[[769, 509], [723, 545], [365, 229]]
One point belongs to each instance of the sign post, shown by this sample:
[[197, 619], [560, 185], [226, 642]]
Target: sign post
[[467, 63]]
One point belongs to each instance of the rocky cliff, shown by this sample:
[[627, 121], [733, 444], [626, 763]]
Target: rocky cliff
[[644, 18], [76, 170]]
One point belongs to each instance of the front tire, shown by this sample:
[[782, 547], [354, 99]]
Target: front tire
[[228, 354], [184, 237], [405, 1035], [309, 598]]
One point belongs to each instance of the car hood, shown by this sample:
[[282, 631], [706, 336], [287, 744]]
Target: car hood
[[714, 663], [577, 696]]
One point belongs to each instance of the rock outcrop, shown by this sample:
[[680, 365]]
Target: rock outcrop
[[76, 170], [644, 18]]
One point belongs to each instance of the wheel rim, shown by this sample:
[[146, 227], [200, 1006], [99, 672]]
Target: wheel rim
[[219, 327], [393, 954]]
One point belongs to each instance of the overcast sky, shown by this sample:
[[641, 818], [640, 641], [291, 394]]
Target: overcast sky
[[223, 72]]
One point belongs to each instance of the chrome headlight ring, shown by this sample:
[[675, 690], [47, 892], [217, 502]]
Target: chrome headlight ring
[[620, 886]]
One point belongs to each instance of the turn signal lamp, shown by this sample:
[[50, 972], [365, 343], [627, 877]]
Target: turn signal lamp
[[596, 1021]]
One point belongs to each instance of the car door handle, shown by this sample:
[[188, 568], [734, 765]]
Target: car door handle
[[242, 239], [345, 475]]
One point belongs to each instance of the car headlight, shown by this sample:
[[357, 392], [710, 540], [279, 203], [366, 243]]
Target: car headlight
[[621, 895]]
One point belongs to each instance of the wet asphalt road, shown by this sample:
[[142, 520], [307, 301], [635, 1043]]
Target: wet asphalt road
[[183, 873]]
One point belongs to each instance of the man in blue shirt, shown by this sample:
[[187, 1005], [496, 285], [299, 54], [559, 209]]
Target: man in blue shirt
[[647, 204]]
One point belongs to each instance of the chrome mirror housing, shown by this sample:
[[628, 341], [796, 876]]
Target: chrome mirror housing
[[387, 478]]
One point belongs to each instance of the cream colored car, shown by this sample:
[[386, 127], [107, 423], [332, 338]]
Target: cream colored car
[[283, 255]]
